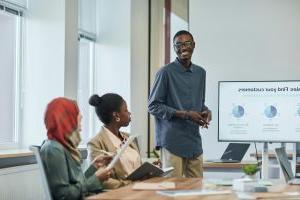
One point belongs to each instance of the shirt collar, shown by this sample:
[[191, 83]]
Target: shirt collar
[[181, 68], [113, 137]]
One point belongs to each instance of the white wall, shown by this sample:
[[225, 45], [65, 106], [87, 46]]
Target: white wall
[[49, 50], [87, 15], [243, 40], [112, 50], [121, 57], [43, 64], [71, 49], [139, 70]]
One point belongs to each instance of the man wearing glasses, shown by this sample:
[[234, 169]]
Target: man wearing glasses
[[177, 101]]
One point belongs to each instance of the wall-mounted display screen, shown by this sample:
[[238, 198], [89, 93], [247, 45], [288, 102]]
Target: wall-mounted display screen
[[263, 111]]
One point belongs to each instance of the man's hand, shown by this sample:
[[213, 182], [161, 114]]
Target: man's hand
[[198, 118], [207, 116]]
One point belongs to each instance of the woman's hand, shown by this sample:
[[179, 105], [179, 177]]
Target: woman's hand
[[157, 163], [103, 173], [101, 160]]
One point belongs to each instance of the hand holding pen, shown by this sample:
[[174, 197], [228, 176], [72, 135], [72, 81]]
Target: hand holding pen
[[103, 159], [206, 115], [198, 117]]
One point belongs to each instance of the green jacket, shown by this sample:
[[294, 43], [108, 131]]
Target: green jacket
[[65, 177]]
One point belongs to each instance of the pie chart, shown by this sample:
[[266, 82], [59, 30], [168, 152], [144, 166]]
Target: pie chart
[[270, 111], [238, 111]]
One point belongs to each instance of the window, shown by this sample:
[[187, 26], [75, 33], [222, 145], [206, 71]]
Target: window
[[86, 65], [10, 68], [86, 84]]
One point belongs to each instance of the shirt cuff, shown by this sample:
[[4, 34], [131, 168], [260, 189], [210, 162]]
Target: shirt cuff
[[90, 171], [94, 184], [170, 113]]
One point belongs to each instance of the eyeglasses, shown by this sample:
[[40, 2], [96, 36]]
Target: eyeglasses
[[187, 44]]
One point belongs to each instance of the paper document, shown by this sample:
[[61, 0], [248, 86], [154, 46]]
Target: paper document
[[121, 151], [222, 182], [176, 193], [269, 195], [154, 186]]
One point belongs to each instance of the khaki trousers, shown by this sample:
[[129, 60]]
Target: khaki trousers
[[187, 167]]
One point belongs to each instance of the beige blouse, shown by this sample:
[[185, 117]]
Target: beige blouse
[[130, 159]]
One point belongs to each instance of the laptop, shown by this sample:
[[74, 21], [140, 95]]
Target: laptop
[[286, 167], [234, 153]]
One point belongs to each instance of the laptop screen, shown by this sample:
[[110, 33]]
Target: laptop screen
[[235, 151], [284, 163]]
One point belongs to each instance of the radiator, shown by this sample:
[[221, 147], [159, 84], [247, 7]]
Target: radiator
[[23, 182]]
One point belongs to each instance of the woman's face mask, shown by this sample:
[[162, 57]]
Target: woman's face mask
[[75, 138], [79, 118]]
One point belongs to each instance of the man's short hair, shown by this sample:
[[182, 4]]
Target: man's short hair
[[182, 32]]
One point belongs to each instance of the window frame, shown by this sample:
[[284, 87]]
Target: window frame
[[84, 36]]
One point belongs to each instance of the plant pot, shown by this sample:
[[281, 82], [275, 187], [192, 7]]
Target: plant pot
[[250, 177], [245, 184]]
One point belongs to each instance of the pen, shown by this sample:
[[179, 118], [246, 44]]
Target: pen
[[105, 152]]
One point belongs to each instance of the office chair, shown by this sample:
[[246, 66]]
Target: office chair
[[36, 151]]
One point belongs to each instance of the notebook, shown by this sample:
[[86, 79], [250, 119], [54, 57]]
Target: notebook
[[148, 170], [234, 153], [286, 167]]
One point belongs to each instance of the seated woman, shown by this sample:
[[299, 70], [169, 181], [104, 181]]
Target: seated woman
[[112, 110], [62, 159]]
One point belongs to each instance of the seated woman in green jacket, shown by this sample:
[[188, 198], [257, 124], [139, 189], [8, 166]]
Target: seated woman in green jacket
[[112, 110], [62, 159]]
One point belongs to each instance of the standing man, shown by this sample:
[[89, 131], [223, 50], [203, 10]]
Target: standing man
[[177, 101]]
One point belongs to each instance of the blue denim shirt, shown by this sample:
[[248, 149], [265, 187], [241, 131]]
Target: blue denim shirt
[[177, 88]]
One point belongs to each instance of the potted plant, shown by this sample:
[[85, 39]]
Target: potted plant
[[250, 170], [247, 182]]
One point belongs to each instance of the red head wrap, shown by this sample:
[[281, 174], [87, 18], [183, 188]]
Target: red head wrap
[[61, 119]]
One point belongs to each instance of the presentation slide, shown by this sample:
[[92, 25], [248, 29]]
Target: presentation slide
[[267, 111]]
